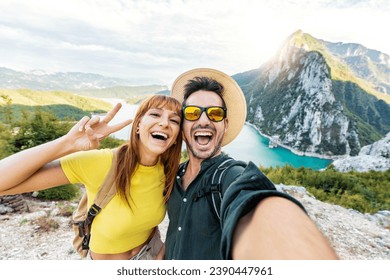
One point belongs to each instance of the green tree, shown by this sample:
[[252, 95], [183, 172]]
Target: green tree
[[42, 127], [6, 147], [6, 113], [6, 125]]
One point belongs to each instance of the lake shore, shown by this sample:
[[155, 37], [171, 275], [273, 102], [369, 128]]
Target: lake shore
[[299, 153]]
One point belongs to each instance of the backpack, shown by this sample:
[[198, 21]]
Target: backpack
[[82, 217], [216, 180]]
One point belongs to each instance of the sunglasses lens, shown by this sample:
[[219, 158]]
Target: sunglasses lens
[[216, 114], [192, 113]]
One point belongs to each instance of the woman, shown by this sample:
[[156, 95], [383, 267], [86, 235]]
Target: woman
[[145, 172]]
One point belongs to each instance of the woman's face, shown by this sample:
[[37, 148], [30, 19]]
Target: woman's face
[[157, 130]]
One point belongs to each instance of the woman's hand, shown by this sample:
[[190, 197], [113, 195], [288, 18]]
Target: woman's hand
[[37, 168], [88, 133]]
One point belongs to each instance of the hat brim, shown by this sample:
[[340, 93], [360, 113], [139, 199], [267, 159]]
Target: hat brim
[[233, 96]]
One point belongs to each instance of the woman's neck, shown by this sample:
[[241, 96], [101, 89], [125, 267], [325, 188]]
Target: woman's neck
[[148, 161]]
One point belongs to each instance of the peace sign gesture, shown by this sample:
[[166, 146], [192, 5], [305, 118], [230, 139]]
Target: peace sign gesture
[[89, 132]]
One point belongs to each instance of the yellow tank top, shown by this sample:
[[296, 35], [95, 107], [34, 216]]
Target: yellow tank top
[[119, 228]]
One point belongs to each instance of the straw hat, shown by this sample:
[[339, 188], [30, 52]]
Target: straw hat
[[232, 95]]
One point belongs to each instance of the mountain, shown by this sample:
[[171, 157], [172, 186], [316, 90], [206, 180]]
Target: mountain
[[40, 80], [86, 84], [369, 65], [311, 96], [125, 92]]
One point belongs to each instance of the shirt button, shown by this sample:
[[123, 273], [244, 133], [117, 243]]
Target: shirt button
[[177, 177], [179, 228], [184, 199]]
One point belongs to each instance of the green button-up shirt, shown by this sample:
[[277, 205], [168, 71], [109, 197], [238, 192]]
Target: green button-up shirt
[[195, 231]]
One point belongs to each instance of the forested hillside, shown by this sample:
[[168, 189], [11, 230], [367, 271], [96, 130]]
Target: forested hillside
[[59, 103]]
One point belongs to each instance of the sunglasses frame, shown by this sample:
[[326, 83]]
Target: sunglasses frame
[[204, 109]]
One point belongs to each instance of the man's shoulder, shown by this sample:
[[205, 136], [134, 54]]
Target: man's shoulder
[[227, 170], [229, 161], [225, 160]]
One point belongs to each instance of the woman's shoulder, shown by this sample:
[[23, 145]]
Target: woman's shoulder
[[79, 166], [91, 155]]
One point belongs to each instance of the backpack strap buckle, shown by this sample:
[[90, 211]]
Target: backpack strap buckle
[[94, 210]]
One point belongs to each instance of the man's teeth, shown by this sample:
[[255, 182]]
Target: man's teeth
[[203, 137], [203, 134], [160, 135]]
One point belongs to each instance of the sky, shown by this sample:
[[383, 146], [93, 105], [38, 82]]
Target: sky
[[152, 42]]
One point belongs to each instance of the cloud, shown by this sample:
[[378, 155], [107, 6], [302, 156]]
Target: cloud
[[157, 40]]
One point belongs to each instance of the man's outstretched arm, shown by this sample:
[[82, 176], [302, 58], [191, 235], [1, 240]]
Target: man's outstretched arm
[[278, 229]]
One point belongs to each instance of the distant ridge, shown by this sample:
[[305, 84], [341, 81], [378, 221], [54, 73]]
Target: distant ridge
[[124, 92], [62, 104], [41, 80]]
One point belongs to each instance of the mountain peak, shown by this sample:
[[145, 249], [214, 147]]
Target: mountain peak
[[299, 32], [305, 41], [349, 62]]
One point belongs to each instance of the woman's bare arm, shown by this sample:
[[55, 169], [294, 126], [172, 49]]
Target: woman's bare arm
[[36, 168]]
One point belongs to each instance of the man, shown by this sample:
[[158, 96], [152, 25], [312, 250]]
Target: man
[[256, 221]]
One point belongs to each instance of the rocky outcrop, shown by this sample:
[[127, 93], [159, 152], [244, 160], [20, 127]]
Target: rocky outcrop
[[371, 157], [354, 235], [12, 203]]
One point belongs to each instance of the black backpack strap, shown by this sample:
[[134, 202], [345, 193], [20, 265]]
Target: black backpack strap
[[215, 189], [216, 193]]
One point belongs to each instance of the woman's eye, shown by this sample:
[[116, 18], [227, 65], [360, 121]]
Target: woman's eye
[[155, 114], [175, 121]]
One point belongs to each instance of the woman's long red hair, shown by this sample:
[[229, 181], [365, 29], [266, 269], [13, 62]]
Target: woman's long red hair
[[128, 154]]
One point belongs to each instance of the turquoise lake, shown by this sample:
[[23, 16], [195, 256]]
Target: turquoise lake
[[250, 145]]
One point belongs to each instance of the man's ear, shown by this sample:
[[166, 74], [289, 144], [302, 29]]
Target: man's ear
[[226, 124]]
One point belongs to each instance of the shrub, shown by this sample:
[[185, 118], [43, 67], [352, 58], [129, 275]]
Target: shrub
[[111, 142], [46, 224], [367, 192], [64, 192], [66, 210]]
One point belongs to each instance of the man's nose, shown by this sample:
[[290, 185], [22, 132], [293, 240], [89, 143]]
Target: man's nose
[[203, 119]]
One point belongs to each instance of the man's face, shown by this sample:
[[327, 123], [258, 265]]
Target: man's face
[[203, 137]]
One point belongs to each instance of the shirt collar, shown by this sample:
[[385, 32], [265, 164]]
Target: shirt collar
[[203, 166]]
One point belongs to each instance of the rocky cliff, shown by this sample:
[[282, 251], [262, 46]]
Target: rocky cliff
[[313, 101]]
